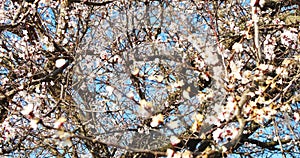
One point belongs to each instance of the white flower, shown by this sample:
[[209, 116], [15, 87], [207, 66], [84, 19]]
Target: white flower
[[213, 119], [198, 117], [177, 155], [237, 47], [159, 78], [109, 90], [130, 95], [173, 124], [45, 39], [170, 153], [245, 80], [143, 103], [174, 140], [152, 78], [60, 62], [65, 138], [285, 73], [34, 123], [235, 70], [210, 57], [156, 120], [217, 134], [66, 142], [178, 84], [205, 76], [232, 133], [135, 71], [65, 41], [25, 32], [58, 123], [52, 83], [224, 115], [186, 94], [187, 154], [253, 3], [289, 37], [261, 3], [4, 80], [251, 94], [27, 109], [287, 137], [46, 2], [263, 67], [275, 138], [145, 108], [296, 116], [224, 149]]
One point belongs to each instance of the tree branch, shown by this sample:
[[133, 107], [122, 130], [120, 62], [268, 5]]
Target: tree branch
[[91, 3], [269, 145]]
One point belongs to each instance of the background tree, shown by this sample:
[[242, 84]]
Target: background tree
[[149, 78]]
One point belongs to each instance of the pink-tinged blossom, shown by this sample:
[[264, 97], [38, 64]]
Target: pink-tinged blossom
[[170, 153], [256, 3], [231, 133], [58, 123], [130, 95], [217, 134], [224, 116], [296, 116], [289, 38], [277, 21], [27, 111], [214, 120], [269, 47], [249, 23], [174, 140], [8, 131], [34, 123], [268, 112], [4, 80]]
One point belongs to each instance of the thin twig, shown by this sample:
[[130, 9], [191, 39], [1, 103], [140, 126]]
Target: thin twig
[[278, 138]]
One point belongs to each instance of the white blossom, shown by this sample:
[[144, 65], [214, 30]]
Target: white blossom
[[174, 140], [58, 123], [109, 90], [296, 116], [156, 120], [34, 123], [60, 62], [217, 134], [27, 109], [237, 47]]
